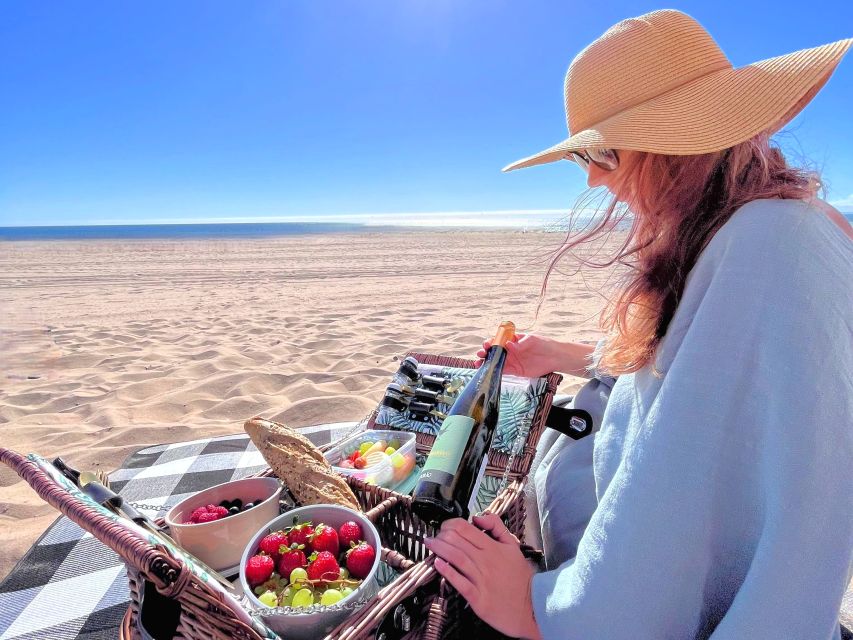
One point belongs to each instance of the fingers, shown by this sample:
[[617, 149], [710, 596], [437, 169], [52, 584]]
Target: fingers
[[494, 526], [459, 582], [458, 557], [459, 529]]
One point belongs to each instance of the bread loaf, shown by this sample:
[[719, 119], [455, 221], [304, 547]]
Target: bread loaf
[[299, 464]]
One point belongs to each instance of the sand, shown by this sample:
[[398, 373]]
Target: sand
[[110, 346]]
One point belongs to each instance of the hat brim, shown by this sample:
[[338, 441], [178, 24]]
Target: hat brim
[[714, 112]]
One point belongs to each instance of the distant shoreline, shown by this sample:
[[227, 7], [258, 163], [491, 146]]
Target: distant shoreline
[[244, 231], [257, 230]]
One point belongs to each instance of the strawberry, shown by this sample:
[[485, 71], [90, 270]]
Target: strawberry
[[323, 567], [259, 568], [360, 560], [272, 543], [301, 534], [325, 538], [349, 533], [291, 559]]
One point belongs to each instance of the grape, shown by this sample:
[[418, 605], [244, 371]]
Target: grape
[[390, 451], [331, 597], [394, 443], [287, 596], [344, 574], [303, 598], [298, 575], [345, 591], [269, 598]]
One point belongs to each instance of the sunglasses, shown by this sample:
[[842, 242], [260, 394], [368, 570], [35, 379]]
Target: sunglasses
[[606, 159]]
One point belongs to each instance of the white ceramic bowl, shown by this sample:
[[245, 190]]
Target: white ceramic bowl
[[318, 620], [220, 543]]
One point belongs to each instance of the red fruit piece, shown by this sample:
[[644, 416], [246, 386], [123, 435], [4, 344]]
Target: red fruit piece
[[325, 538], [301, 534], [271, 544], [259, 569], [324, 567], [349, 533], [360, 463], [291, 560], [360, 560], [221, 512], [196, 514], [354, 455], [207, 516]]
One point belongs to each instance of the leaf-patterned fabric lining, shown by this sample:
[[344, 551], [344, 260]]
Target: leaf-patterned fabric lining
[[519, 399]]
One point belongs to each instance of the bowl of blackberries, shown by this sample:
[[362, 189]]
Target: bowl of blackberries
[[216, 524]]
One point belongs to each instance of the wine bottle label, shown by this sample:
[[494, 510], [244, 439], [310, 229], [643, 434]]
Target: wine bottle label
[[443, 460], [472, 504]]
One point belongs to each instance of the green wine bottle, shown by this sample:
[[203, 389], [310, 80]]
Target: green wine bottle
[[448, 484]]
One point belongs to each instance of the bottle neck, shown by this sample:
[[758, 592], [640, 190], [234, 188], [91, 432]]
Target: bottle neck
[[495, 357]]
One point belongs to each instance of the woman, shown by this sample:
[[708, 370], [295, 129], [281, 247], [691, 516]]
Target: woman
[[715, 500]]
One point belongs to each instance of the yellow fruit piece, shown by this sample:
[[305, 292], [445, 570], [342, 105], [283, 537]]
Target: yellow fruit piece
[[398, 460], [362, 449], [390, 451], [378, 446], [376, 457]]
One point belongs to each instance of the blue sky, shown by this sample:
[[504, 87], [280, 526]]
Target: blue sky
[[177, 111]]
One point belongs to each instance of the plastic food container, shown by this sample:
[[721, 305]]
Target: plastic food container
[[384, 470]]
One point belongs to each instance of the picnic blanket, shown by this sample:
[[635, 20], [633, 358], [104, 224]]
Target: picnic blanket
[[70, 586]]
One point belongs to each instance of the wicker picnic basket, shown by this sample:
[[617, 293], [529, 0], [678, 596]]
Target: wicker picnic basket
[[169, 590], [435, 610]]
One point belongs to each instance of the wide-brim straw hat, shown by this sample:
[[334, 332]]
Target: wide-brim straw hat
[[659, 83]]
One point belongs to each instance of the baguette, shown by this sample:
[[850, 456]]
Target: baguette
[[299, 464]]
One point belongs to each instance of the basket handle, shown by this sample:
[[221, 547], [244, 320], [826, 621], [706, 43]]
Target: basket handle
[[159, 567]]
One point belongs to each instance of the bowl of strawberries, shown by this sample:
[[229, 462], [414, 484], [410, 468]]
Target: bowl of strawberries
[[309, 568]]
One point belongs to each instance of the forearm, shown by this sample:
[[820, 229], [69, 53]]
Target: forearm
[[573, 358]]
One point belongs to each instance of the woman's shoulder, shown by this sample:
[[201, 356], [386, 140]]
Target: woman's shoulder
[[776, 228]]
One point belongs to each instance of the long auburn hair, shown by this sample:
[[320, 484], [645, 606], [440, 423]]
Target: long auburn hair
[[680, 202]]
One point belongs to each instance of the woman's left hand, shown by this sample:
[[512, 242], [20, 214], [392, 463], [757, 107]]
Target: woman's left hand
[[486, 567]]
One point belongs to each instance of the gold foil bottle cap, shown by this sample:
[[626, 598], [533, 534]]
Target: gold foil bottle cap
[[504, 334]]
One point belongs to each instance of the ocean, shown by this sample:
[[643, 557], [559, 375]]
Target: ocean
[[176, 231], [267, 229]]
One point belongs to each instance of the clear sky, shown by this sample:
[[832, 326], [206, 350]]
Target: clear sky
[[129, 112]]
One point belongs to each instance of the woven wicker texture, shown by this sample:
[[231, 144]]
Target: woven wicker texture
[[167, 587]]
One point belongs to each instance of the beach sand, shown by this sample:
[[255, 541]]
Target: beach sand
[[109, 346]]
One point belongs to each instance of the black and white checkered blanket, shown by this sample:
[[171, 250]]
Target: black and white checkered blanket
[[70, 586]]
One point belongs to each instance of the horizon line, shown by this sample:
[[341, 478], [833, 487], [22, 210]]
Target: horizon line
[[366, 219]]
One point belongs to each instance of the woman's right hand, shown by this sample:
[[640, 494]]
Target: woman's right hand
[[528, 355], [531, 356]]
